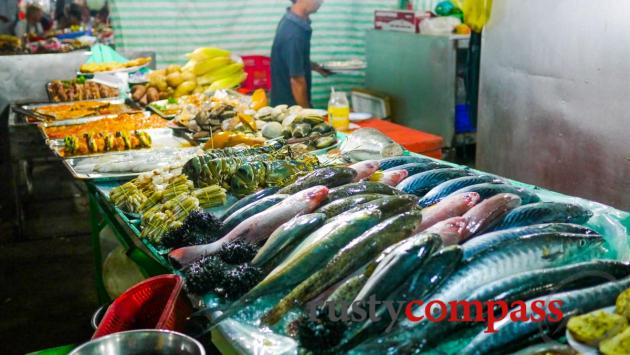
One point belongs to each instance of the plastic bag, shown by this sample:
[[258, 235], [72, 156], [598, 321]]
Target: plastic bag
[[439, 25], [476, 12]]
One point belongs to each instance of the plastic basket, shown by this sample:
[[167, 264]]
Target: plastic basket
[[258, 69], [156, 303]]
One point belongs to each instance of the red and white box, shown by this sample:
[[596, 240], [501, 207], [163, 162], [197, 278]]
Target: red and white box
[[396, 20]]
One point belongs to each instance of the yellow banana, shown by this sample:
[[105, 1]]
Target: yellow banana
[[206, 66], [222, 73], [229, 82], [201, 54]]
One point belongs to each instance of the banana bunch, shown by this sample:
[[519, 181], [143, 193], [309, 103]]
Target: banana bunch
[[214, 69]]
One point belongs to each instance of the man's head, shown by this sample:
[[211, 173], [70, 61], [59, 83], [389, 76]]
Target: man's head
[[309, 6], [34, 13]]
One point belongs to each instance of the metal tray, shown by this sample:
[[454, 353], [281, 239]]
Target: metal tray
[[48, 93], [161, 138], [29, 110], [158, 111]]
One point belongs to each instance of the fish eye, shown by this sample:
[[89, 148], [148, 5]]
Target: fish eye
[[582, 243]]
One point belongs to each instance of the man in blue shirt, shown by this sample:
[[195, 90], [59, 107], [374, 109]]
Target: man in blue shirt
[[290, 56]]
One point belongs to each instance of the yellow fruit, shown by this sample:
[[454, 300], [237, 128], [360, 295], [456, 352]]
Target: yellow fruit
[[206, 66], [188, 76], [229, 82], [173, 68], [201, 54], [199, 90], [161, 84], [259, 99], [185, 88], [174, 79], [221, 73]]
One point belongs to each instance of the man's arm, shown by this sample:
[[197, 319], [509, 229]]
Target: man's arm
[[299, 90]]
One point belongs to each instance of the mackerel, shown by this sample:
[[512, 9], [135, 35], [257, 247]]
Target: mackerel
[[446, 188], [488, 190], [506, 259], [417, 168], [287, 237], [422, 183], [480, 243], [572, 303], [354, 255], [388, 205], [388, 163], [545, 212]]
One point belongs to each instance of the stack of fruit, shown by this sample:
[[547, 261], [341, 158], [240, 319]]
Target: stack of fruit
[[207, 69]]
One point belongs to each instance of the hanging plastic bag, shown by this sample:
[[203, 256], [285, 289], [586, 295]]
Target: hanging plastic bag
[[476, 12]]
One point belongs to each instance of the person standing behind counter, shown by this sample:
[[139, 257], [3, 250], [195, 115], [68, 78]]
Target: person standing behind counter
[[290, 56], [32, 23]]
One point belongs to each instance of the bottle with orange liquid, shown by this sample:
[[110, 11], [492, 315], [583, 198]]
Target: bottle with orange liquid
[[339, 111]]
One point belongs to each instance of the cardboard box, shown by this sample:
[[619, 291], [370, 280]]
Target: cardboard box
[[396, 20]]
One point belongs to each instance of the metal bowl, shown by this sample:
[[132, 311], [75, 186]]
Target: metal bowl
[[149, 341]]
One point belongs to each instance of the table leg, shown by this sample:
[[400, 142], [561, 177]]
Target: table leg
[[96, 225]]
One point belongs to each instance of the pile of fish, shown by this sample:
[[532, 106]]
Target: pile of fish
[[408, 228]]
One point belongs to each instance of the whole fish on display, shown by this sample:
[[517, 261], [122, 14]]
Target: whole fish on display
[[257, 227], [506, 259], [344, 204], [483, 242], [387, 205], [359, 188], [452, 206], [249, 200], [545, 212], [422, 183], [286, 237], [249, 210], [487, 190], [389, 163], [364, 169], [489, 212], [312, 254], [451, 230], [569, 303], [417, 168], [329, 177], [369, 144], [391, 177], [447, 188], [354, 255]]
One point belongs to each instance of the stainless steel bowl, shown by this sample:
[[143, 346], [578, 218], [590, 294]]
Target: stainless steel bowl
[[135, 342]]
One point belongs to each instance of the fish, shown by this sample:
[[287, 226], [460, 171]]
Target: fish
[[342, 205], [329, 177], [285, 238], [452, 206], [391, 178], [359, 188], [537, 283], [445, 189], [313, 253], [389, 163], [487, 190], [545, 212], [257, 227], [349, 289], [569, 303], [422, 183], [369, 144], [450, 230], [417, 168], [247, 200], [388, 206], [483, 242], [437, 269], [351, 257], [249, 210], [506, 259], [365, 169], [408, 257], [489, 212]]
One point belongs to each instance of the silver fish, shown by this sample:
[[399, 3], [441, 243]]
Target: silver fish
[[369, 144]]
